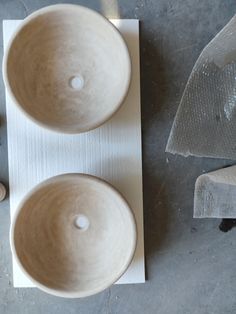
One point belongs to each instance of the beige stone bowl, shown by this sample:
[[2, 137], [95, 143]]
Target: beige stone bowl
[[73, 235], [67, 67]]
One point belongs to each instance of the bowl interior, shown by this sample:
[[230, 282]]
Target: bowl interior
[[75, 235], [68, 68]]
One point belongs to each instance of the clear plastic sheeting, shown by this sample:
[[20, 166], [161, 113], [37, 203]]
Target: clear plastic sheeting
[[205, 123]]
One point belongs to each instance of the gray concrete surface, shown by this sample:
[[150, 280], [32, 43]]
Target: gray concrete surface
[[190, 264]]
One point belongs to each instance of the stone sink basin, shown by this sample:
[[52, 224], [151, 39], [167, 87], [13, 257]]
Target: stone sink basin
[[67, 68], [73, 235]]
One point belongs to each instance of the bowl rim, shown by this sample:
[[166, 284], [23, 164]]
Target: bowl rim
[[72, 294], [18, 29]]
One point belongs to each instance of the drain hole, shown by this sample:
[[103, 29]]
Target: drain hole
[[81, 222], [76, 82]]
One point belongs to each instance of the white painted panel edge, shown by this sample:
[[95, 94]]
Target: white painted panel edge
[[112, 151]]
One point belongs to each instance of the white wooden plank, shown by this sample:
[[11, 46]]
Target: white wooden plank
[[112, 151]]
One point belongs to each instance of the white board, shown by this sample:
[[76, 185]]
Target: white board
[[112, 151]]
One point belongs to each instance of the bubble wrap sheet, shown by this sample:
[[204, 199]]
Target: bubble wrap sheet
[[205, 123]]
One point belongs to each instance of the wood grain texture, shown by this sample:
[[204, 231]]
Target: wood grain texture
[[112, 151]]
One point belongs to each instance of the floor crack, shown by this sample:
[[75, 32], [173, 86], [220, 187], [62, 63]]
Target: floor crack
[[25, 7], [108, 302]]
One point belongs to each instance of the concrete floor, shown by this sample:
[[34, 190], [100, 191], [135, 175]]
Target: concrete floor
[[190, 264]]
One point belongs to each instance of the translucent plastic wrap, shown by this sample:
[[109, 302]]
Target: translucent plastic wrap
[[205, 123]]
